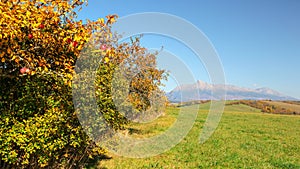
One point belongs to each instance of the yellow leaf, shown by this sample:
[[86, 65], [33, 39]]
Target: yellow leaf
[[28, 14], [8, 50], [2, 60], [2, 54], [101, 20], [111, 18], [69, 83], [14, 57], [106, 59], [40, 19]]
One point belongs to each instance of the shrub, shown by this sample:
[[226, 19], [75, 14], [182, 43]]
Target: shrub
[[40, 43]]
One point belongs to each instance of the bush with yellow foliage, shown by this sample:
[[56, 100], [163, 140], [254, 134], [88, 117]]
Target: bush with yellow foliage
[[40, 43]]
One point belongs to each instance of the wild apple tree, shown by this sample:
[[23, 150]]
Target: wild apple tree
[[40, 43]]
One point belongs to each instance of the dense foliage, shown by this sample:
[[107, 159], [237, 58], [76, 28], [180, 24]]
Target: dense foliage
[[40, 43]]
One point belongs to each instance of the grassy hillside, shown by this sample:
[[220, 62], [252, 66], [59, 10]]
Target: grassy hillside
[[268, 106], [292, 102], [245, 138], [291, 105]]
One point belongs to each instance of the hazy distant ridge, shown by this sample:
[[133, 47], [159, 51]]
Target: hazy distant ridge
[[188, 92]]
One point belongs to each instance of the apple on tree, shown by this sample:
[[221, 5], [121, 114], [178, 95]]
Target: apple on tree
[[41, 26], [30, 36], [103, 47], [69, 40], [75, 43], [24, 70]]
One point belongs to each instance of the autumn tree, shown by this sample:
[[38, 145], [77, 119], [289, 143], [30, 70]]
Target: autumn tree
[[41, 41]]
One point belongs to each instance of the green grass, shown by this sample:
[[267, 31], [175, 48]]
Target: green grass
[[245, 138], [242, 109]]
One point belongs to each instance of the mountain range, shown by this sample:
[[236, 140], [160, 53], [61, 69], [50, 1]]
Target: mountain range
[[203, 91]]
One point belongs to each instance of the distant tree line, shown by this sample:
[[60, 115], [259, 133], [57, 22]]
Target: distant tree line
[[189, 103], [266, 107]]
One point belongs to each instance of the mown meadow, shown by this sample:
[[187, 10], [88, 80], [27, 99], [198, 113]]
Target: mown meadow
[[245, 138]]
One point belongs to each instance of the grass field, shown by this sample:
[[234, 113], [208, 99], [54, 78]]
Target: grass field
[[245, 138]]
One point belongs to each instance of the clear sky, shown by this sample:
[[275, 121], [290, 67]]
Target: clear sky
[[258, 41]]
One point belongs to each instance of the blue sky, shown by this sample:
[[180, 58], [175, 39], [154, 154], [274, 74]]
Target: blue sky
[[258, 42]]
